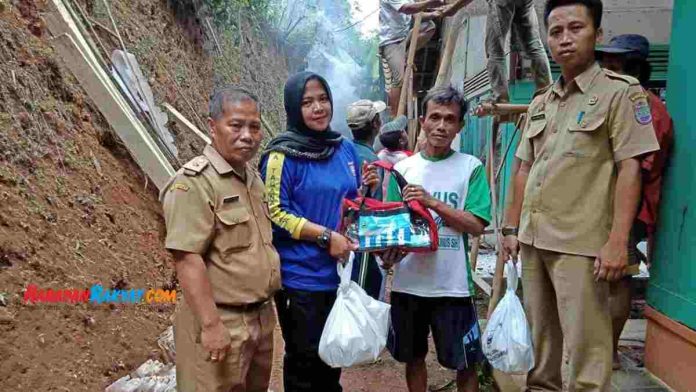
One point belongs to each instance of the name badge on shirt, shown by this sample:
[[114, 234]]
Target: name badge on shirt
[[230, 199]]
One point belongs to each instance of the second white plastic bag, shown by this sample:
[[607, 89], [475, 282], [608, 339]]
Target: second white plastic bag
[[357, 327], [507, 341]]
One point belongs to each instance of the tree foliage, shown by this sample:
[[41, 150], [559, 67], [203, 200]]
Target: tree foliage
[[295, 27]]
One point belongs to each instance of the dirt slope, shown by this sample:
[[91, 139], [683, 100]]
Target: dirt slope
[[74, 208]]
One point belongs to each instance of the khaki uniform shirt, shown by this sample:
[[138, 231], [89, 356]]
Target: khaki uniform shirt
[[211, 211], [574, 140]]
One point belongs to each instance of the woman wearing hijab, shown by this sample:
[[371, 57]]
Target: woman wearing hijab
[[308, 171]]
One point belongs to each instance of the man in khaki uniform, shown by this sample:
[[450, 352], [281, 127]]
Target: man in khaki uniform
[[219, 231], [575, 198]]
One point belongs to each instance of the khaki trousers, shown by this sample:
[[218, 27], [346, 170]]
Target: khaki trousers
[[564, 304], [247, 366]]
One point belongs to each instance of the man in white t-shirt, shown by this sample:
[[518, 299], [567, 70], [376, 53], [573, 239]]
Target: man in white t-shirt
[[434, 291]]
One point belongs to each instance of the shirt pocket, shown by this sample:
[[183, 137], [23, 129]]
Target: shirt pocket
[[534, 133], [235, 229], [587, 136]]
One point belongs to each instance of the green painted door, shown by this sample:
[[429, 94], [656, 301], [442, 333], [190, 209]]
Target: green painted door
[[672, 288]]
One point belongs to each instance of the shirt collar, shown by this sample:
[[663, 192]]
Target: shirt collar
[[583, 81], [365, 145], [220, 164]]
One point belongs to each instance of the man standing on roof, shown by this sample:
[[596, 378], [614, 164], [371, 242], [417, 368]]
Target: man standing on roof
[[364, 122], [575, 198], [394, 35], [518, 16], [628, 55]]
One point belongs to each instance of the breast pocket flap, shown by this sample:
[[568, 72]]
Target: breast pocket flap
[[233, 216]]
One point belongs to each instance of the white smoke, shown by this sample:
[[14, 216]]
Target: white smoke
[[329, 55], [341, 71]]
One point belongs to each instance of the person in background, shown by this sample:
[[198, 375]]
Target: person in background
[[433, 292], [220, 236], [518, 16], [394, 35], [363, 118], [394, 138], [308, 171], [574, 200], [628, 55]]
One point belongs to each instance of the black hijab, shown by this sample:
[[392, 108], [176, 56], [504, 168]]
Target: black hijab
[[298, 140]]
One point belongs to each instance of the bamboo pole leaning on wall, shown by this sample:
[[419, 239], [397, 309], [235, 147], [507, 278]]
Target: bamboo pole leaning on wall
[[408, 71]]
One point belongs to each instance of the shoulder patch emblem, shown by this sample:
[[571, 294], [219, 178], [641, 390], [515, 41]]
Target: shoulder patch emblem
[[628, 79], [641, 110], [636, 96], [179, 186], [195, 166], [541, 90]]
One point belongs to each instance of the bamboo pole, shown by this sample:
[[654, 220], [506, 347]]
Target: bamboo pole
[[446, 59], [408, 71], [500, 262], [474, 252], [499, 109]]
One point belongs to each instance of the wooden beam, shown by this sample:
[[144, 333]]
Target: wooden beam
[[450, 44], [482, 284], [408, 71], [83, 63], [500, 262], [473, 256], [137, 140], [498, 109], [184, 122]]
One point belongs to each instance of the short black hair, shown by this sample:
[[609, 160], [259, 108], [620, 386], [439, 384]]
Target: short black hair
[[594, 6], [364, 133], [639, 69], [445, 95], [391, 140], [229, 94]]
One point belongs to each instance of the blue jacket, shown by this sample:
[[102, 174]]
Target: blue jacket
[[300, 190]]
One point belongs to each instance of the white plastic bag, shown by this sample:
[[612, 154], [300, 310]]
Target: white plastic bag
[[357, 327], [507, 341]]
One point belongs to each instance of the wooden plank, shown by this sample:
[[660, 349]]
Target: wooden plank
[[499, 109], [482, 284], [475, 252], [133, 134], [408, 72], [500, 262], [184, 122], [443, 72], [77, 54]]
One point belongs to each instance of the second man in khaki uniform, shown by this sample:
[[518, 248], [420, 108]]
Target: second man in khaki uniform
[[575, 198], [219, 231]]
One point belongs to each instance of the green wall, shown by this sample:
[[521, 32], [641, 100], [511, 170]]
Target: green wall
[[672, 288]]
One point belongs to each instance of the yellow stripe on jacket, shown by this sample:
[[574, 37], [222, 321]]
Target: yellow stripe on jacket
[[274, 172]]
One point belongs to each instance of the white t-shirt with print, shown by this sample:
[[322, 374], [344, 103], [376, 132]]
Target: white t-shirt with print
[[459, 181]]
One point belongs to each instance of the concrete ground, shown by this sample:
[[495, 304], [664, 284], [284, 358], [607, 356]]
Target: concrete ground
[[632, 376]]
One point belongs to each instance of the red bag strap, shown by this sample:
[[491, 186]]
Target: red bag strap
[[400, 180], [383, 164]]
